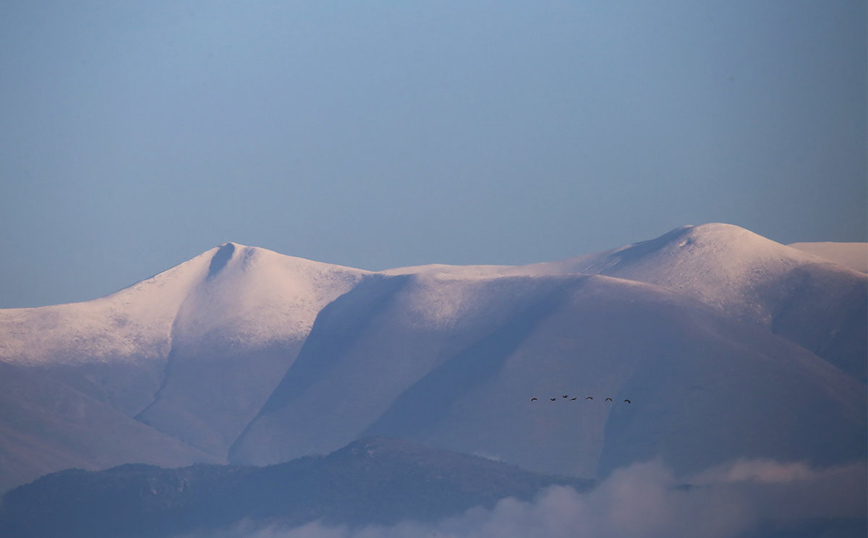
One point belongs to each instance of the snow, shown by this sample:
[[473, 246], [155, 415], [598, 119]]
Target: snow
[[654, 321], [134, 322], [722, 265], [452, 363], [453, 271], [852, 255], [237, 295], [259, 296]]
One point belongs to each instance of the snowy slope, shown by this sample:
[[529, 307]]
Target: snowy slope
[[852, 255], [705, 389], [230, 295], [369, 346], [235, 336], [183, 359], [132, 323], [722, 265], [253, 297], [813, 301], [809, 300]]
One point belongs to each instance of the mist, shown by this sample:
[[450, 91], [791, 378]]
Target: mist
[[740, 499]]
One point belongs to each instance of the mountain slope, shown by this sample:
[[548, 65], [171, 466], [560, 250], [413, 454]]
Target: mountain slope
[[48, 424], [809, 300], [169, 370], [372, 481], [703, 389], [851, 255], [234, 337], [369, 346]]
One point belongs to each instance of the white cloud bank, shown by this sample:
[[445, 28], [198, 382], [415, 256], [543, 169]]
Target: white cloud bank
[[642, 501]]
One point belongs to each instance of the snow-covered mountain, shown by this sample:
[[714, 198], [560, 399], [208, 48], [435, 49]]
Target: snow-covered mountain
[[805, 298], [231, 295], [168, 371], [702, 387], [727, 344]]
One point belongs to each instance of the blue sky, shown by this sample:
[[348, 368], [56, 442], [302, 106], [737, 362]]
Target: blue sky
[[136, 135]]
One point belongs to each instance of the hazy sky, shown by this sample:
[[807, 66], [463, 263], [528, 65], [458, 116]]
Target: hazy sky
[[136, 135]]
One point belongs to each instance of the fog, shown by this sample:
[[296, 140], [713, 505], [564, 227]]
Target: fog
[[646, 500]]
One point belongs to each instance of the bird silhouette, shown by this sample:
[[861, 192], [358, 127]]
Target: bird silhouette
[[608, 399], [573, 399], [533, 399], [565, 395], [627, 401], [552, 399], [589, 397]]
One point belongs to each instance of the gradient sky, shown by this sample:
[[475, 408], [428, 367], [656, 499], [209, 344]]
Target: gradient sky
[[136, 135]]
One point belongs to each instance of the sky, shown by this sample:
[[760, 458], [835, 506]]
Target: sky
[[385, 133]]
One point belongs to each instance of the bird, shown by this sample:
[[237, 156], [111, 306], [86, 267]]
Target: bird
[[573, 398], [565, 395], [589, 397], [552, 399], [627, 401], [608, 399], [533, 399]]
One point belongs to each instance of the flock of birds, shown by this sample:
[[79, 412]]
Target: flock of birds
[[567, 397]]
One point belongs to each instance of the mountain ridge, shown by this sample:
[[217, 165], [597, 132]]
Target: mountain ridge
[[374, 480], [109, 310], [243, 354]]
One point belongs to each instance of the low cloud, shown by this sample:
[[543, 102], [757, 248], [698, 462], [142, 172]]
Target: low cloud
[[642, 501]]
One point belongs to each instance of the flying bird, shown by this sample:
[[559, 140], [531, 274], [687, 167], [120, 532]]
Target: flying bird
[[608, 399], [589, 397], [573, 398], [565, 395], [533, 399], [552, 399], [627, 401]]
